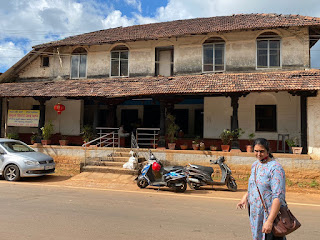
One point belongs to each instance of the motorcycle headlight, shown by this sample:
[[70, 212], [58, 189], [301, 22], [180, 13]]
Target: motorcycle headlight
[[31, 163]]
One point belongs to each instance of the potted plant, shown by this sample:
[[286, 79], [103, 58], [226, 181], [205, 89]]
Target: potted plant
[[213, 148], [13, 136], [171, 130], [87, 134], [63, 140], [202, 146], [249, 147], [195, 143], [184, 146], [225, 137], [293, 145], [47, 131], [34, 138]]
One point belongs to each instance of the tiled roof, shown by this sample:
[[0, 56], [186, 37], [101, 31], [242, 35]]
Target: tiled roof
[[186, 27], [178, 85]]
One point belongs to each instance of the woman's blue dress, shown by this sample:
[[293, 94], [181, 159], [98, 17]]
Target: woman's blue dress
[[271, 182]]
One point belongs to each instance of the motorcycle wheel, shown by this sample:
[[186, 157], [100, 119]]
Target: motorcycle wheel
[[195, 186], [142, 183], [182, 188], [231, 184]]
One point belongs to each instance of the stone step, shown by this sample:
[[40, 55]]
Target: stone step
[[109, 169], [105, 163]]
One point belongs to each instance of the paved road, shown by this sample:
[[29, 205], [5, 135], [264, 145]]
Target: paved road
[[49, 212]]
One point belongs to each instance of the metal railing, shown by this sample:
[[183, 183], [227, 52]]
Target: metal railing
[[147, 137], [135, 148], [108, 137]]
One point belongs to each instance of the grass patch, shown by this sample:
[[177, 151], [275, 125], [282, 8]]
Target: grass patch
[[314, 184], [289, 182]]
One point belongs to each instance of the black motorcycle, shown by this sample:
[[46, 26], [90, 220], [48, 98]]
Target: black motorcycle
[[200, 175], [173, 176]]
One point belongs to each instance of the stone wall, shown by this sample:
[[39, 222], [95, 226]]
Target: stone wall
[[300, 169]]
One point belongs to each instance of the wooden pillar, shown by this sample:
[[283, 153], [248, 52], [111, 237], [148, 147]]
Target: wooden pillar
[[303, 110], [95, 115], [42, 117], [162, 132], [235, 106], [111, 118]]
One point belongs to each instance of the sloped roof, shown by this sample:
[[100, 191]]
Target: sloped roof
[[185, 27], [307, 80]]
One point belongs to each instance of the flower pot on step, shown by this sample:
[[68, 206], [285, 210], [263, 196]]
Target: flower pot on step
[[249, 148], [171, 146], [225, 148]]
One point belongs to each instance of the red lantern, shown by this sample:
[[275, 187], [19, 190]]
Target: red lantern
[[59, 108]]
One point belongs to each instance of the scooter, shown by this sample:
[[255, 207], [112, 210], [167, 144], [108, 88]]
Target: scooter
[[200, 175], [173, 177]]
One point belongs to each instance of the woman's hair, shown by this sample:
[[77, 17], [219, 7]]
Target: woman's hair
[[263, 142]]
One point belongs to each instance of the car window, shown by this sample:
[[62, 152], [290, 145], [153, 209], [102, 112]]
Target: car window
[[16, 147]]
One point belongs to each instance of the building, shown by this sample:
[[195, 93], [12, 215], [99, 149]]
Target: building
[[250, 71]]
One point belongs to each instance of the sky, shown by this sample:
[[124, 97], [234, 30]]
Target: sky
[[26, 23]]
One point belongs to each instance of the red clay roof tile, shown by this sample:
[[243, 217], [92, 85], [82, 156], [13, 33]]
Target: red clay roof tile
[[307, 80], [185, 27]]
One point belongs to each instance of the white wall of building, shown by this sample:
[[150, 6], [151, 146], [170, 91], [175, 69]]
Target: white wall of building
[[313, 116], [218, 112], [68, 123]]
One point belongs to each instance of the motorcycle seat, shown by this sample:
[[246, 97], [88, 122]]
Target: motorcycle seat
[[171, 169], [208, 170]]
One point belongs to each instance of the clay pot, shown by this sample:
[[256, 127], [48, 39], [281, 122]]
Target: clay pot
[[249, 148], [45, 142], [225, 148], [171, 146], [184, 147]]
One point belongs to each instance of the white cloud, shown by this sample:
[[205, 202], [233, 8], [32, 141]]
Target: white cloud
[[135, 3], [9, 54], [115, 19]]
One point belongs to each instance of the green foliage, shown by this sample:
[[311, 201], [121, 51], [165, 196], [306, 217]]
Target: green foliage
[[237, 133], [87, 133], [34, 137], [13, 136], [171, 128], [314, 184], [196, 140], [47, 130], [251, 136], [289, 182], [292, 142], [226, 136]]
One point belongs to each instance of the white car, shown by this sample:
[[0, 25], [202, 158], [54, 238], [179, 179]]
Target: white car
[[17, 160]]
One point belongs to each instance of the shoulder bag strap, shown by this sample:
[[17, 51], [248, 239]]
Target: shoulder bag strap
[[255, 180]]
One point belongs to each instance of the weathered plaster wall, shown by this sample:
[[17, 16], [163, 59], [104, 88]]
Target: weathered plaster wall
[[218, 112], [68, 123], [240, 55], [313, 116]]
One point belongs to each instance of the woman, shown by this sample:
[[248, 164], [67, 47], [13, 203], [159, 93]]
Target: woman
[[270, 179]]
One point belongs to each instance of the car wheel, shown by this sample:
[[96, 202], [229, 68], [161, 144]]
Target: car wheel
[[195, 186], [11, 173]]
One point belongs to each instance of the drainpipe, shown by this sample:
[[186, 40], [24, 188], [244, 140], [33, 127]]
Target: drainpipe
[[304, 122]]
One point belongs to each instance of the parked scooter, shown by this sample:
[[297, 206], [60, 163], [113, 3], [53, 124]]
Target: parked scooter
[[155, 174], [200, 175]]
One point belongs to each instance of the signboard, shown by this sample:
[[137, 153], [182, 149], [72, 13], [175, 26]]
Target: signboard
[[23, 118]]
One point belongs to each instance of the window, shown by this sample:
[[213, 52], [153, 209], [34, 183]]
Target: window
[[266, 118], [119, 61], [164, 61], [213, 55], [79, 63], [268, 50], [44, 61]]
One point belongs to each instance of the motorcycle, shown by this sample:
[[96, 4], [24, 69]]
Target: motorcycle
[[155, 174], [200, 175]]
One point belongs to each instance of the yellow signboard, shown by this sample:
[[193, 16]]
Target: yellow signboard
[[23, 118]]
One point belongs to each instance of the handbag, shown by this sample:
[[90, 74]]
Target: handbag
[[285, 222]]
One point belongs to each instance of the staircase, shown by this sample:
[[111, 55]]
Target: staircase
[[111, 164]]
